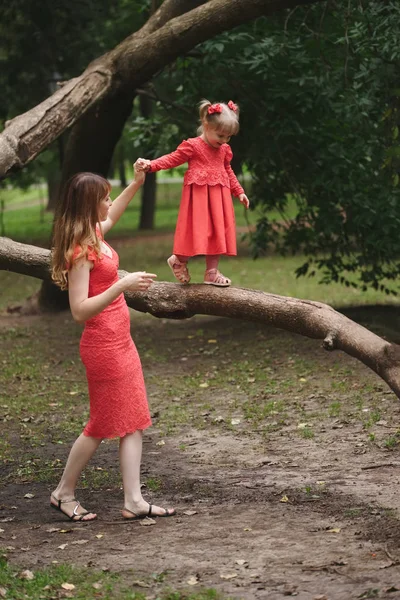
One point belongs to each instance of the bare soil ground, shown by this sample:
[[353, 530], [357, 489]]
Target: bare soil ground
[[282, 461]]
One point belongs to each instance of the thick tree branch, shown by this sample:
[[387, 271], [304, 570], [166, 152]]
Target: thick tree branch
[[127, 66], [169, 300]]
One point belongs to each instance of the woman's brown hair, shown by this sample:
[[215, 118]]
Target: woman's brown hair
[[75, 223]]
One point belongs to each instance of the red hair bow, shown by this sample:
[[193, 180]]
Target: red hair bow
[[214, 108], [232, 106]]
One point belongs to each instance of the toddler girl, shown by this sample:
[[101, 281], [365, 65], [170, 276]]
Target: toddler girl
[[206, 219]]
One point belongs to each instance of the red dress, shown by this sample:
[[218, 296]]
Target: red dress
[[206, 219], [118, 401]]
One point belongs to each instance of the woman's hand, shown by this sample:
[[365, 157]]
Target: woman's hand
[[138, 282], [244, 200], [139, 173]]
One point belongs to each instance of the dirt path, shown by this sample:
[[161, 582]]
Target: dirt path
[[263, 511]]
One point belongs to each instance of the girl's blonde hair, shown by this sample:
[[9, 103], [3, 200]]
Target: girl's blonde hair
[[75, 224], [220, 116]]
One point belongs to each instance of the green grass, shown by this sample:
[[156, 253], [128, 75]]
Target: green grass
[[88, 584], [24, 222]]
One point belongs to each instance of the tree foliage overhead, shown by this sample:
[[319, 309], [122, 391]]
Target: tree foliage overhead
[[319, 91]]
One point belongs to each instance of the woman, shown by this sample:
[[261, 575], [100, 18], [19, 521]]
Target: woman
[[87, 266]]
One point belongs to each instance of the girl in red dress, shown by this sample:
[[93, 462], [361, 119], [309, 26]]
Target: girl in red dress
[[206, 219], [87, 266]]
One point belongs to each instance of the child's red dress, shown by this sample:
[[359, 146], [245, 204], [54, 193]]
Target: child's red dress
[[206, 219], [118, 400]]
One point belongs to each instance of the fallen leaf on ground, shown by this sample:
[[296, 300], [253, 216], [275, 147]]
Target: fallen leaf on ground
[[97, 586], [190, 513], [140, 583], [147, 521], [26, 575], [67, 586], [241, 562], [228, 575], [160, 443], [284, 498], [99, 536], [212, 341], [235, 421], [62, 547], [3, 592], [29, 496], [333, 530], [193, 580], [203, 385]]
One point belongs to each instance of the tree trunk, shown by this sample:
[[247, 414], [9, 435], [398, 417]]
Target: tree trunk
[[148, 207], [53, 189], [170, 300], [92, 141]]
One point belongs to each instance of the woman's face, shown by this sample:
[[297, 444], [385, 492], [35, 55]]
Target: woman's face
[[104, 207]]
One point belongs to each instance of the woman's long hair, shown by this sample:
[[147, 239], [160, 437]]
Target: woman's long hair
[[75, 223]]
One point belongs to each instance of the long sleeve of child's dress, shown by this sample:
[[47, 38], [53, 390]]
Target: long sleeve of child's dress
[[181, 155], [235, 186]]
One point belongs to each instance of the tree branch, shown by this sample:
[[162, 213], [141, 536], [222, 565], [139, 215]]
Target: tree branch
[[169, 300]]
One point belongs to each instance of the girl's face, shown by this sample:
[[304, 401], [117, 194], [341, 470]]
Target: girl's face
[[104, 207], [214, 137]]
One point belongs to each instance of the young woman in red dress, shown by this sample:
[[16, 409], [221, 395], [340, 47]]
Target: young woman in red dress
[[87, 266], [206, 219]]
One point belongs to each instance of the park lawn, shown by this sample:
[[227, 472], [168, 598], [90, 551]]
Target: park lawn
[[67, 581], [223, 393], [26, 220]]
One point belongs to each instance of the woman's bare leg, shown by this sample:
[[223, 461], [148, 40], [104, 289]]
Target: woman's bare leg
[[130, 455], [80, 454]]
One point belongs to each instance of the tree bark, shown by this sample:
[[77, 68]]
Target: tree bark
[[124, 68], [169, 300]]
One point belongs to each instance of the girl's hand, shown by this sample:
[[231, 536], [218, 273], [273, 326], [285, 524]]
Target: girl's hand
[[138, 282], [244, 200]]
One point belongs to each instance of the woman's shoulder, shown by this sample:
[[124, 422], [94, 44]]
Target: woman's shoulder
[[90, 253]]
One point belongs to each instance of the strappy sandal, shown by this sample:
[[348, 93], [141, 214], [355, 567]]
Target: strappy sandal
[[75, 515], [179, 269], [168, 513], [219, 280]]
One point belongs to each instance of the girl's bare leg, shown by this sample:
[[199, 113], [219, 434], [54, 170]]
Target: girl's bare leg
[[130, 455], [80, 454]]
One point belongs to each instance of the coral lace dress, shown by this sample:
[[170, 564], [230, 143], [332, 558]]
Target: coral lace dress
[[206, 219], [118, 401]]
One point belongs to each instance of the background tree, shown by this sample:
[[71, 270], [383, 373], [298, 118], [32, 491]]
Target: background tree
[[318, 88]]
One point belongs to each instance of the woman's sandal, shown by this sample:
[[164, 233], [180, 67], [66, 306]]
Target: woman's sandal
[[75, 515], [179, 269], [168, 513], [219, 280]]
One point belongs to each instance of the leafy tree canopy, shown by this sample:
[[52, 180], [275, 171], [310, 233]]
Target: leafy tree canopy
[[319, 93]]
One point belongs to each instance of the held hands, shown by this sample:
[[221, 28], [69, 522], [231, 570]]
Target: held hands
[[138, 282], [244, 200], [142, 164]]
